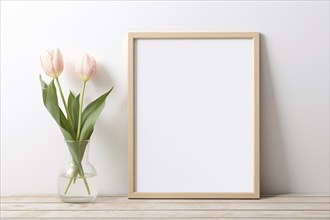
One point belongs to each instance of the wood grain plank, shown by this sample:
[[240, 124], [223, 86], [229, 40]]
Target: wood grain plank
[[269, 207], [133, 218], [162, 214], [112, 199], [164, 206]]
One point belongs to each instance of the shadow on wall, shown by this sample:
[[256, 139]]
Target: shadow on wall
[[110, 137], [273, 160], [102, 78]]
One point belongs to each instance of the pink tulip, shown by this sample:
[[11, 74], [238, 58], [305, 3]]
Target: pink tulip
[[86, 67], [52, 62]]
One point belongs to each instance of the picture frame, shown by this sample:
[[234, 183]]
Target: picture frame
[[193, 115]]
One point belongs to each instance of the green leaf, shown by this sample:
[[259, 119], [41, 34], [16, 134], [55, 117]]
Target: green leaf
[[73, 106], [44, 87], [75, 113], [70, 100], [77, 150], [91, 114], [66, 127], [50, 100]]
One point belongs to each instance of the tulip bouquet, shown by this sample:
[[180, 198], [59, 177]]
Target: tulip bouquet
[[76, 124]]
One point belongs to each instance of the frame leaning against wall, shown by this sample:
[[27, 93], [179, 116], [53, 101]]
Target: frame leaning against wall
[[193, 115]]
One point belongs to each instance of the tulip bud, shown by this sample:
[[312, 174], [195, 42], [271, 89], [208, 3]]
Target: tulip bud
[[86, 67], [52, 62]]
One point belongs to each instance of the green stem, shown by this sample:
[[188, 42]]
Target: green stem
[[82, 175], [63, 100], [80, 110], [86, 184], [68, 186], [74, 177]]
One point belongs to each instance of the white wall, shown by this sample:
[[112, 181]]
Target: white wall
[[294, 84]]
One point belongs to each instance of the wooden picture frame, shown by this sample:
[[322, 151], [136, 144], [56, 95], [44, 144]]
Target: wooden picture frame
[[193, 115]]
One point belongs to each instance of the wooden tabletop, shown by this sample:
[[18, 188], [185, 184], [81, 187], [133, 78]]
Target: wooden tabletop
[[268, 207]]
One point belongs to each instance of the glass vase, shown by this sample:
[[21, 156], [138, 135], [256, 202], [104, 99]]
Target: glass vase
[[77, 182]]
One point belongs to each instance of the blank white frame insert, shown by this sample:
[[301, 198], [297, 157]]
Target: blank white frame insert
[[193, 115]]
